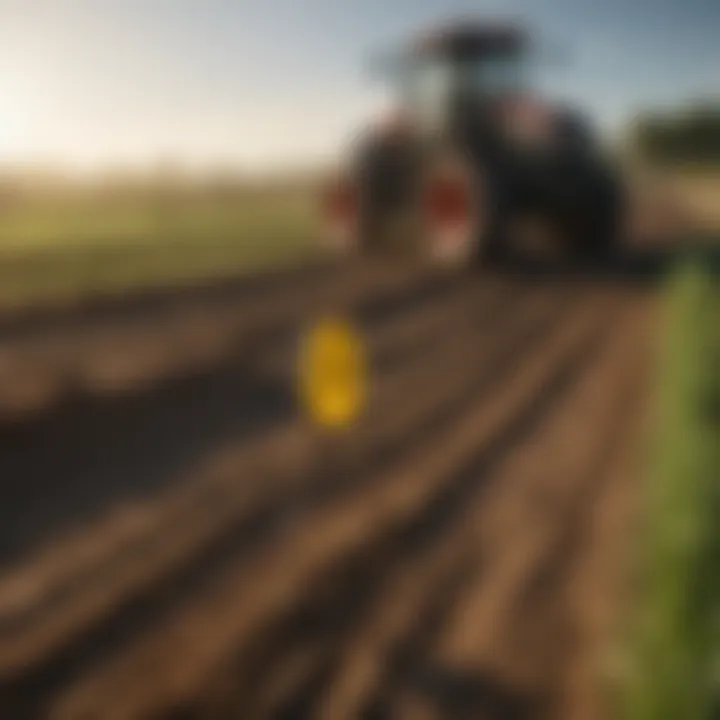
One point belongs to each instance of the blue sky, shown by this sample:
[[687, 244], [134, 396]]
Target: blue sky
[[258, 82]]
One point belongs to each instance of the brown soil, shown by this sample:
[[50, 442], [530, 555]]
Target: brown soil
[[177, 541]]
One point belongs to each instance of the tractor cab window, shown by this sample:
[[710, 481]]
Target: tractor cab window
[[491, 75], [427, 86], [429, 83]]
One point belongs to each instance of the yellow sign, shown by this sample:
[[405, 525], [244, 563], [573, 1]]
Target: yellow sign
[[332, 373]]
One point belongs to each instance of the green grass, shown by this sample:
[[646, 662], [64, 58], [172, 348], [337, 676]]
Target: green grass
[[68, 247], [676, 670]]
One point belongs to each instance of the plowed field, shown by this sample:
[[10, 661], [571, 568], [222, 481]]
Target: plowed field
[[178, 541]]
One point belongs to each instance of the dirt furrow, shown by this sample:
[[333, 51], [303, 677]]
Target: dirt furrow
[[311, 545], [387, 339], [155, 567], [391, 338], [489, 646], [95, 547], [508, 352], [595, 581], [141, 439], [39, 371], [84, 313], [596, 589]]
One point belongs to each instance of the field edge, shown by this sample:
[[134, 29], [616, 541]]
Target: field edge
[[674, 645]]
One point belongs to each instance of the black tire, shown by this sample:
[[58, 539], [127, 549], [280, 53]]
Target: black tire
[[594, 232], [604, 235], [493, 248]]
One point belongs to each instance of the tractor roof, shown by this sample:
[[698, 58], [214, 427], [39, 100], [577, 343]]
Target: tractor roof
[[463, 38]]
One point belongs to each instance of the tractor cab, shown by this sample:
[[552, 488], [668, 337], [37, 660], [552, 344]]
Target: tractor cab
[[460, 74]]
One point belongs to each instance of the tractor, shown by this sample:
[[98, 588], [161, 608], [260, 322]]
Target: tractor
[[471, 164]]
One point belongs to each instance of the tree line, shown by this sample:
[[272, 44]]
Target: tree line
[[688, 135]]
